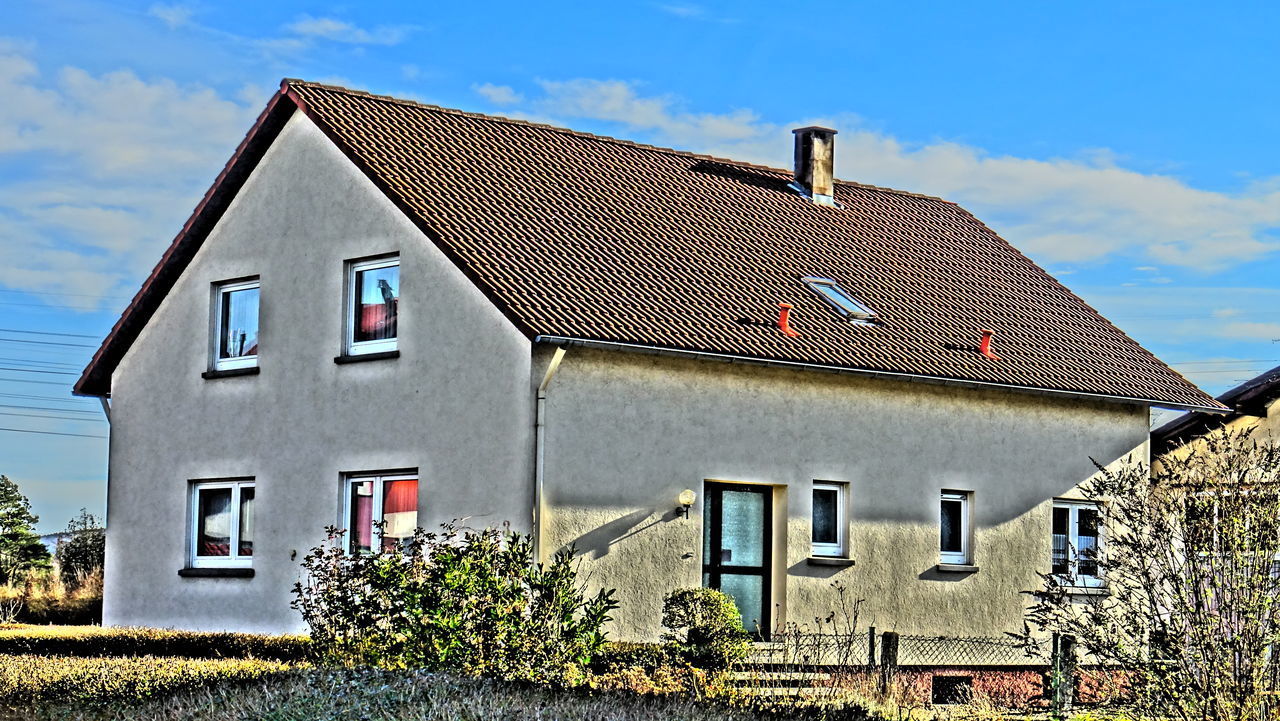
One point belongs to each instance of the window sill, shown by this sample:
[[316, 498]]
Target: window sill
[[829, 561], [385, 355], [1087, 591], [230, 373], [956, 568], [206, 572]]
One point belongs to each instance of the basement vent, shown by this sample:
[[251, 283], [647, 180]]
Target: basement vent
[[838, 298], [952, 689]]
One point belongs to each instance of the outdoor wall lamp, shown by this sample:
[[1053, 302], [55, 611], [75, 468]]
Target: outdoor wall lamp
[[685, 499]]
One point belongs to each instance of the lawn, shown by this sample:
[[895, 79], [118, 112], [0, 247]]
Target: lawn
[[367, 695]]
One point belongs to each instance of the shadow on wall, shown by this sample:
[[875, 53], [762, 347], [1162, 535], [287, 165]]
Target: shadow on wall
[[596, 542]]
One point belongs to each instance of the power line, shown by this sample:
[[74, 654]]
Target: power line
[[78, 295], [37, 362], [55, 399], [52, 418], [50, 433], [46, 342], [45, 332], [34, 370], [39, 383], [43, 408], [55, 306]]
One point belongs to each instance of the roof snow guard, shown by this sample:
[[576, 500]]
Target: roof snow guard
[[582, 237]]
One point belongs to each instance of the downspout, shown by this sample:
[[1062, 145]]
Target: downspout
[[539, 450], [106, 408]]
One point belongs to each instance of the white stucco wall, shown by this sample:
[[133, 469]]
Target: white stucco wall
[[455, 405], [627, 432]]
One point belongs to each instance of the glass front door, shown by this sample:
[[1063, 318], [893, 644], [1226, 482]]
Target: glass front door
[[736, 538]]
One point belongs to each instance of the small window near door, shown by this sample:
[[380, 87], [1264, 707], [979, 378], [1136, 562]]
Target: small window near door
[[1077, 543], [388, 501], [235, 325], [373, 306], [830, 522], [953, 544], [222, 524]]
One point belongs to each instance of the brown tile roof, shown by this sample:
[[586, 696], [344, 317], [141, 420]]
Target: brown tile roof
[[585, 237]]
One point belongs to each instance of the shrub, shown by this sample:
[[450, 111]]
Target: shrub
[[464, 601], [704, 627], [85, 641], [80, 556], [40, 679], [40, 596]]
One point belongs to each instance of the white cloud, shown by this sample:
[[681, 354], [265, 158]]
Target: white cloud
[[175, 16], [683, 11], [1250, 331], [1059, 209], [113, 163], [341, 31], [498, 94]]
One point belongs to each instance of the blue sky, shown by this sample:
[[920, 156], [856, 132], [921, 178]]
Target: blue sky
[[1129, 150]]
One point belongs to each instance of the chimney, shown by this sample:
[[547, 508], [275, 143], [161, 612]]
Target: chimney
[[815, 163]]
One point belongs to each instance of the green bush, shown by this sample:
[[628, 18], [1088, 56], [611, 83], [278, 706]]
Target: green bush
[[463, 601], [81, 555], [648, 656], [30, 680], [704, 628], [86, 641]]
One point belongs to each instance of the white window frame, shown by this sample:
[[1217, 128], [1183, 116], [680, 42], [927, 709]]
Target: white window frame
[[856, 309], [221, 292], [350, 345], [379, 484], [234, 560], [962, 557], [1074, 577], [840, 548]]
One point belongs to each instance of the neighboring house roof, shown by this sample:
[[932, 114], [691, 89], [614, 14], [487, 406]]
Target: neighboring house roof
[[582, 237], [1250, 398]]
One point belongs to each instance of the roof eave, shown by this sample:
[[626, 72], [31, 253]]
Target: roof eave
[[96, 378], [910, 377]]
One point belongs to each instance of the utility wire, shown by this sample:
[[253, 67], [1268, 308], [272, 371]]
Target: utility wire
[[39, 383], [49, 433], [59, 399], [78, 295], [46, 342], [43, 408], [32, 370], [52, 418], [45, 332]]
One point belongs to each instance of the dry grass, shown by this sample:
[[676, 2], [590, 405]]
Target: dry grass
[[42, 597], [368, 695]]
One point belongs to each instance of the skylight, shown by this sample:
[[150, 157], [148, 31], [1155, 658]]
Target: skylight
[[838, 298]]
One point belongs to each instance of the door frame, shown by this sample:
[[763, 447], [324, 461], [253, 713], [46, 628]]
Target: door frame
[[714, 509]]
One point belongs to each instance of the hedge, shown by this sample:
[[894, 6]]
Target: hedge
[[30, 680], [93, 641]]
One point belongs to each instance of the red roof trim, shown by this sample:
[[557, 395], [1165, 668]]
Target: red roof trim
[[96, 379]]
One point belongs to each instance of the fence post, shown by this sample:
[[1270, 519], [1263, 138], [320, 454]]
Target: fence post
[[871, 647], [1062, 675], [888, 659]]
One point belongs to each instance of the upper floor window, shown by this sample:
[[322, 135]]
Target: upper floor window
[[830, 524], [235, 321], [953, 544], [1077, 543], [222, 523], [389, 501], [373, 305], [839, 299]]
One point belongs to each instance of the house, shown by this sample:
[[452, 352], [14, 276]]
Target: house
[[1254, 404], [692, 370]]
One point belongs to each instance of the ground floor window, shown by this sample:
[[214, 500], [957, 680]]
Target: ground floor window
[[830, 524], [380, 506], [953, 544], [222, 523], [1077, 543]]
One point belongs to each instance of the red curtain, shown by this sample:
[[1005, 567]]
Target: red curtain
[[400, 496]]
